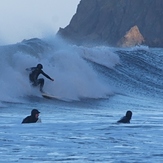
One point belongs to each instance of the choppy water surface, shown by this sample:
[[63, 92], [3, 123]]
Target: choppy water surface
[[95, 87], [83, 132]]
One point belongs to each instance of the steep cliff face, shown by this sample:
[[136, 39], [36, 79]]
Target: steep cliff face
[[108, 21]]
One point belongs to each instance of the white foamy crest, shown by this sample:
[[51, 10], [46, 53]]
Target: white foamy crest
[[74, 77], [101, 55]]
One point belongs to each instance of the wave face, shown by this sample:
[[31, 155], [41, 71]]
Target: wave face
[[139, 73], [80, 72]]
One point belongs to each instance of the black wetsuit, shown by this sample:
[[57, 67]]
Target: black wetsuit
[[126, 118], [33, 77], [30, 119]]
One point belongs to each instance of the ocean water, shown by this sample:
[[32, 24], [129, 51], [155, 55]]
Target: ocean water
[[94, 86]]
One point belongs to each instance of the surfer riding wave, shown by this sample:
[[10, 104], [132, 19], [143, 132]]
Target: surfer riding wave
[[33, 76]]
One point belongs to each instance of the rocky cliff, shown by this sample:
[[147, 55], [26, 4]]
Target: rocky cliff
[[111, 22]]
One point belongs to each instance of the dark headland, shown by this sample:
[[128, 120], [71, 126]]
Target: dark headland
[[121, 23]]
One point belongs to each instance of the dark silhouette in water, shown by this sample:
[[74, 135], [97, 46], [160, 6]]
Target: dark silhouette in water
[[126, 118], [33, 118]]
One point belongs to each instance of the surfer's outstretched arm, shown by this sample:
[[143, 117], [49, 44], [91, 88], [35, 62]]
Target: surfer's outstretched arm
[[47, 76]]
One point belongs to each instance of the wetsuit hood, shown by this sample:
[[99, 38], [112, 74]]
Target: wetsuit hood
[[40, 66], [129, 114], [34, 112]]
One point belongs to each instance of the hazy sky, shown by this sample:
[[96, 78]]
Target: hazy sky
[[24, 19]]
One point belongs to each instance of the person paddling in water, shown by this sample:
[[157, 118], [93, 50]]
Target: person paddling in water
[[126, 118], [33, 118], [33, 76]]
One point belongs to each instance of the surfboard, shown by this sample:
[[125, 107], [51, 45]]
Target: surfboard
[[45, 95]]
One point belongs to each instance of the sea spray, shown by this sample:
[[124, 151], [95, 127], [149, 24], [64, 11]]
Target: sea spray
[[74, 77]]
